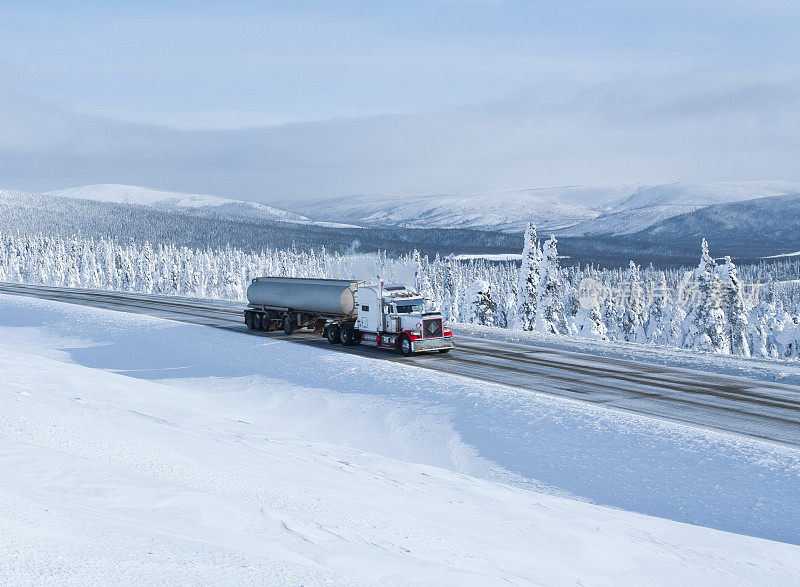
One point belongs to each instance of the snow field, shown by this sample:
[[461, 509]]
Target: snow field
[[147, 451]]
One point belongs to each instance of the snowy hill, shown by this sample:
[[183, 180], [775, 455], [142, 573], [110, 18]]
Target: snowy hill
[[148, 451], [508, 211], [621, 222], [648, 206], [747, 231], [202, 227], [693, 195], [568, 210], [165, 200], [760, 227]]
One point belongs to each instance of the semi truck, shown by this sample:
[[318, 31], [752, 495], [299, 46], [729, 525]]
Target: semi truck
[[347, 312]]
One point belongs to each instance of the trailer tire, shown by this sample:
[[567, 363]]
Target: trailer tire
[[288, 327], [256, 321], [248, 320], [332, 333], [444, 350], [404, 346], [346, 336]]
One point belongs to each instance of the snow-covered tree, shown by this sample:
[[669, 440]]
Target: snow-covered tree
[[633, 313], [704, 326], [587, 320], [550, 292], [479, 305], [736, 323], [528, 281], [422, 283], [705, 309]]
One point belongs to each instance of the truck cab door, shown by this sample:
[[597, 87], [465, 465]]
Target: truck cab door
[[369, 316]]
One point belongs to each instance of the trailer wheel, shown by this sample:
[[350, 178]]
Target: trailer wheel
[[346, 336], [266, 322], [404, 346], [248, 320], [332, 333], [288, 327], [256, 321], [444, 350]]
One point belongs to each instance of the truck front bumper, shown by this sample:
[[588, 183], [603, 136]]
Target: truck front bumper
[[432, 344]]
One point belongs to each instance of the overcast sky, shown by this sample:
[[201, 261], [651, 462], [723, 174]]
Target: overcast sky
[[273, 101]]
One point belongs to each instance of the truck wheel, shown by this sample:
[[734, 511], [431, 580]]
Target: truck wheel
[[404, 346], [332, 334], [288, 327], [256, 321], [248, 320], [346, 336], [444, 350]]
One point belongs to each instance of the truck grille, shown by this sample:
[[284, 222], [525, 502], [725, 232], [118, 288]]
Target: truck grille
[[432, 328]]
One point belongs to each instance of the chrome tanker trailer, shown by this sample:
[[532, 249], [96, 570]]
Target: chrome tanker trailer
[[347, 312]]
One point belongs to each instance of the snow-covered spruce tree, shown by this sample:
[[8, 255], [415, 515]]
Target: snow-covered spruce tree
[[633, 310], [550, 292], [528, 281], [507, 301], [146, 268], [786, 336], [762, 321], [656, 327], [587, 320], [479, 306], [455, 293], [421, 282], [447, 287], [704, 326], [733, 306]]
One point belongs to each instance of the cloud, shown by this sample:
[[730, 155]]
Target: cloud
[[632, 129]]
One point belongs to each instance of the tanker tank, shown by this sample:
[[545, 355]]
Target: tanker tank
[[324, 297]]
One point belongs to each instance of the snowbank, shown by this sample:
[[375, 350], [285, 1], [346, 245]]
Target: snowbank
[[142, 450]]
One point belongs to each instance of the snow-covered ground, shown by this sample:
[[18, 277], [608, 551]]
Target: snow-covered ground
[[490, 257], [139, 450], [759, 368], [795, 254]]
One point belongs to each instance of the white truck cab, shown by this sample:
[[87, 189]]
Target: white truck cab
[[392, 316]]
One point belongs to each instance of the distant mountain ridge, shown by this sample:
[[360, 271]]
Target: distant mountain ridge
[[749, 231], [655, 224], [566, 210], [763, 224], [167, 200], [200, 227]]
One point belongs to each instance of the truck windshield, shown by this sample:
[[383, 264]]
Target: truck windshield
[[410, 308]]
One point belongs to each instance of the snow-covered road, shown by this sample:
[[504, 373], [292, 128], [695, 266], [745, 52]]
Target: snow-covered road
[[145, 450], [758, 408]]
